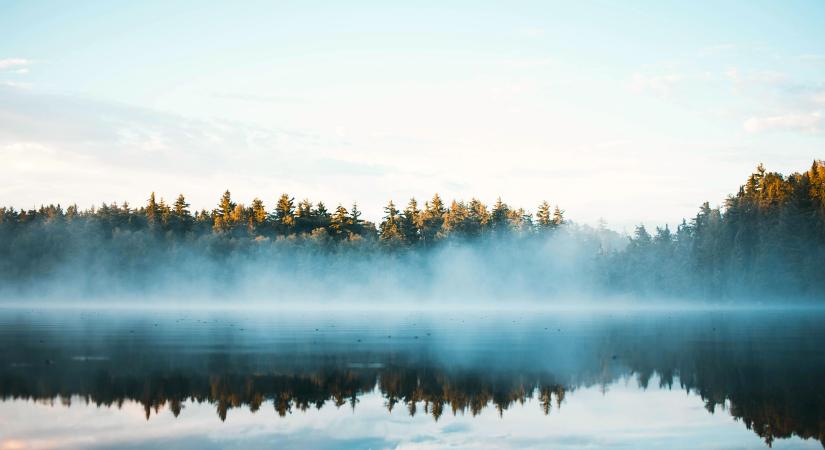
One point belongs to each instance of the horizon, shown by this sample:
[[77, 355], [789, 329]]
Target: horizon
[[271, 206]]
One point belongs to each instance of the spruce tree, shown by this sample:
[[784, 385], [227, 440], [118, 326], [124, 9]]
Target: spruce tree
[[389, 229], [284, 210], [543, 219], [152, 210], [411, 223], [259, 214]]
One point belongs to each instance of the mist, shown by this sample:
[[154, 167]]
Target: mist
[[766, 245], [83, 264]]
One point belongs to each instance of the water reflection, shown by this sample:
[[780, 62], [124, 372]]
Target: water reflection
[[764, 369]]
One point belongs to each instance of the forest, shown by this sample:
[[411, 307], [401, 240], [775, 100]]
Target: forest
[[766, 241]]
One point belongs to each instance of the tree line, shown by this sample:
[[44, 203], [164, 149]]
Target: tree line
[[767, 239], [410, 227]]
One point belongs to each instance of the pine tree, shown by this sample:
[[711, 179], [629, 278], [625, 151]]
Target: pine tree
[[225, 206], [411, 223], [284, 210], [321, 211], [164, 212], [340, 221], [479, 217], [543, 218], [181, 208], [222, 216], [259, 214], [499, 216], [152, 210], [558, 217], [355, 219], [389, 230], [182, 218], [433, 219], [457, 220]]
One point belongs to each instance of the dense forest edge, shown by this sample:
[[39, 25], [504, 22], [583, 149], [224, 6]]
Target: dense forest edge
[[767, 241]]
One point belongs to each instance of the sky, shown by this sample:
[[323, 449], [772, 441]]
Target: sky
[[630, 112]]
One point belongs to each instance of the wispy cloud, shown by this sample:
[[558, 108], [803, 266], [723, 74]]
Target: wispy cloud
[[807, 122], [761, 77], [14, 63], [812, 58], [263, 98], [657, 84], [15, 84], [64, 148]]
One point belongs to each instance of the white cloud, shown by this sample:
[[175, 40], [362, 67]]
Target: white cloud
[[812, 58], [657, 84], [14, 63], [807, 122], [15, 84], [763, 77]]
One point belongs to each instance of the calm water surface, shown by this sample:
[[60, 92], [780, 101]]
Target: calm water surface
[[140, 378]]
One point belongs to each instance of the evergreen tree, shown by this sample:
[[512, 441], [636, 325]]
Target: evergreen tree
[[432, 219], [411, 223], [222, 216], [499, 216], [479, 218], [543, 219], [164, 212], [152, 210], [558, 217], [259, 214], [340, 221], [390, 228], [284, 212], [182, 218], [457, 220]]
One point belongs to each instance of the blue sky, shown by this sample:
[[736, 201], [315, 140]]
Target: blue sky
[[633, 111]]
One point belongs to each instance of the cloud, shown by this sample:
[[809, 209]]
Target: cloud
[[65, 148], [807, 122], [15, 84], [763, 77], [14, 63], [812, 58], [657, 84], [255, 97]]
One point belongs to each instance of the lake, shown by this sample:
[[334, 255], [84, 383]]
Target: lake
[[131, 378]]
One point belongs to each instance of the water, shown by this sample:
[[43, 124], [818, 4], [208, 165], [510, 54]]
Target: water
[[167, 378]]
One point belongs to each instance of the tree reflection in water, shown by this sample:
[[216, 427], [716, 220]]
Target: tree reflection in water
[[763, 371]]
